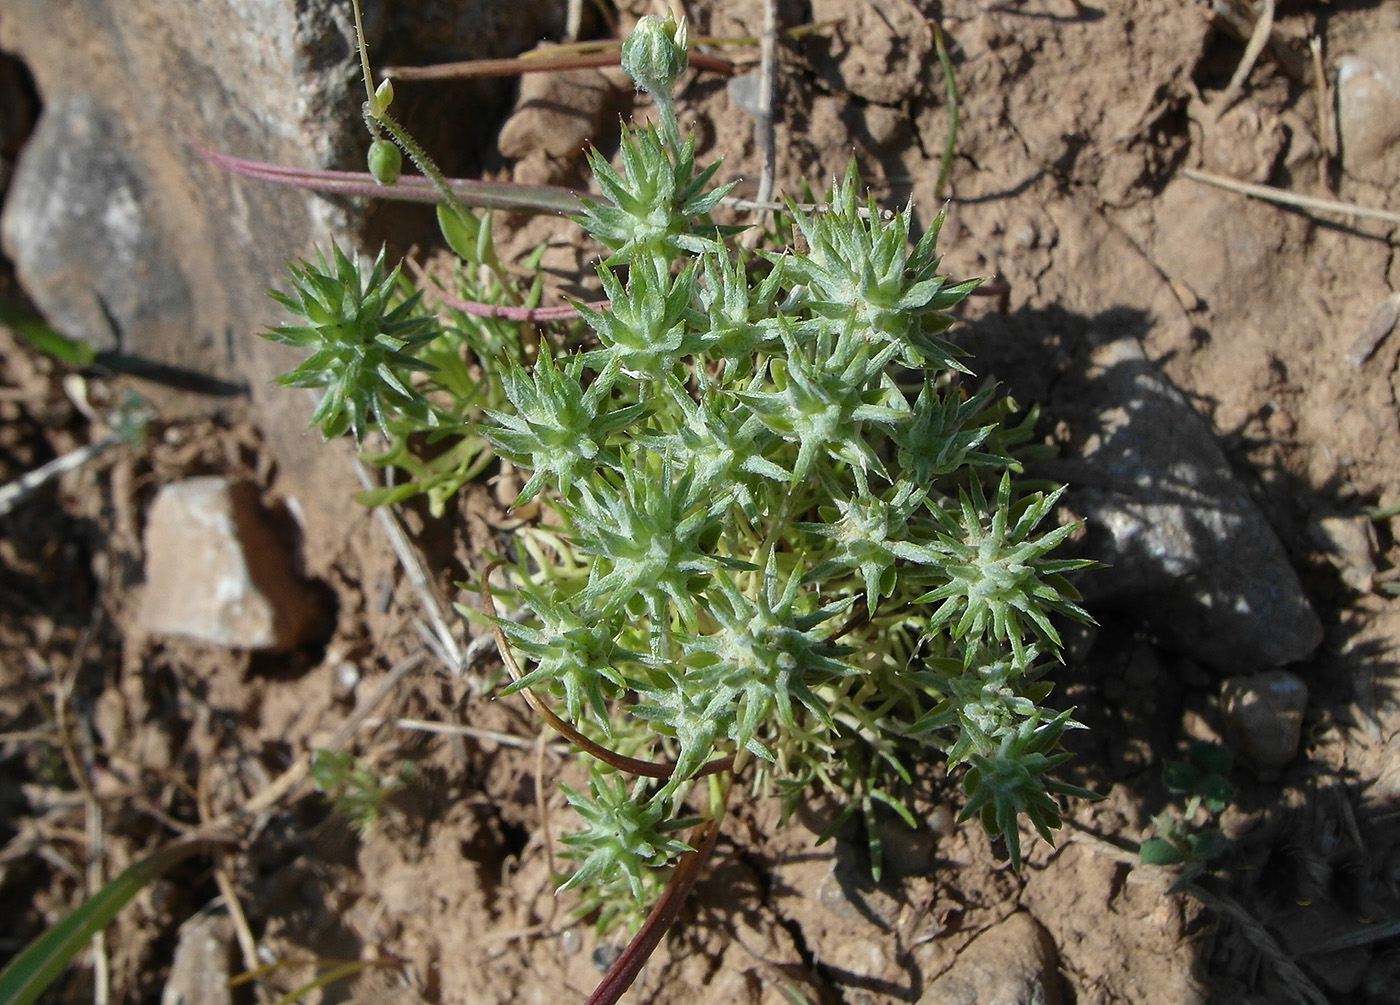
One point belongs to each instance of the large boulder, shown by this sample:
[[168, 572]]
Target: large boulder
[[125, 236]]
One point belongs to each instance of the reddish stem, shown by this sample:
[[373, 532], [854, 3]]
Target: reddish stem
[[627, 966], [409, 188], [520, 67], [565, 312]]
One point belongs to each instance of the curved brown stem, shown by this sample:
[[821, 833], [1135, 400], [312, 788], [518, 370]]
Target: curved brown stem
[[632, 765], [625, 970]]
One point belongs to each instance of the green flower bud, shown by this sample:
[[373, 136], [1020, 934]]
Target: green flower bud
[[385, 162], [654, 55], [384, 94]]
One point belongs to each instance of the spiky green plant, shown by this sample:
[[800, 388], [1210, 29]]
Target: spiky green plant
[[773, 553]]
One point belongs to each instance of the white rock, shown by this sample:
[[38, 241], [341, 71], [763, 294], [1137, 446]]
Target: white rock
[[216, 571], [1368, 109]]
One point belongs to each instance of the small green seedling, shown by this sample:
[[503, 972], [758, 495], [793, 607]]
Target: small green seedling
[[1190, 837], [357, 793]]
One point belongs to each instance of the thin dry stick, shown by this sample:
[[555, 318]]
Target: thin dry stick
[[1326, 121], [243, 932], [767, 89], [542, 808], [96, 879], [453, 729], [15, 492], [417, 575], [1236, 17], [950, 93], [1257, 40], [1295, 982], [1285, 198]]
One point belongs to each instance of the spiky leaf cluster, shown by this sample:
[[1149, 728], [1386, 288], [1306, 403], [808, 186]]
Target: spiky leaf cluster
[[1001, 588], [363, 336], [657, 200], [626, 834]]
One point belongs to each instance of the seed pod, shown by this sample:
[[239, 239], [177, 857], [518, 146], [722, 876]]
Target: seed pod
[[385, 162]]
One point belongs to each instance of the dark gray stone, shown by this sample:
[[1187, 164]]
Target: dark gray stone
[[1264, 716], [1185, 547]]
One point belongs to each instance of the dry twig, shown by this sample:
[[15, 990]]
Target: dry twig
[[1258, 38], [1286, 198], [446, 648], [767, 87]]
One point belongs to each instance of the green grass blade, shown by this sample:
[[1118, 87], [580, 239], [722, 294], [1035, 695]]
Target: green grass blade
[[36, 967], [38, 333]]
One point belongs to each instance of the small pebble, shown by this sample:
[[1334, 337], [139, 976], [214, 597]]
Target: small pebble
[[605, 955], [1264, 716], [942, 822], [744, 92]]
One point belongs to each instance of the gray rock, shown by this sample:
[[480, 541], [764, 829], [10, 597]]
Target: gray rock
[[1350, 544], [274, 80], [79, 230], [1264, 716], [203, 963], [1012, 963], [217, 572], [1186, 548], [1368, 107]]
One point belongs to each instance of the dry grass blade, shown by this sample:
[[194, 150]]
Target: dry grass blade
[[446, 646], [1300, 989], [1258, 38], [767, 87], [1285, 198], [1236, 17]]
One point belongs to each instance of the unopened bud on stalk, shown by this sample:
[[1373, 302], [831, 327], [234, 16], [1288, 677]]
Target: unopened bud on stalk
[[655, 54], [384, 94]]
